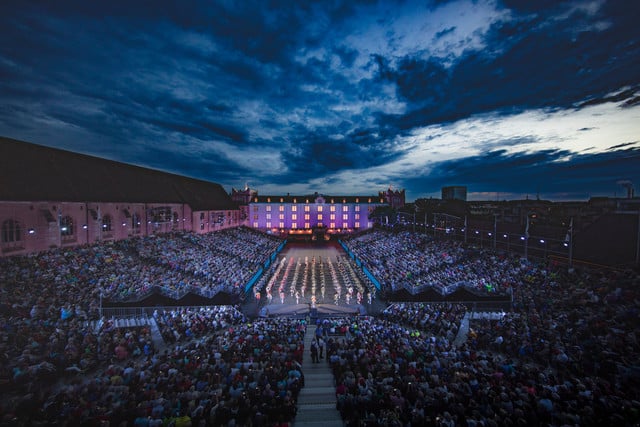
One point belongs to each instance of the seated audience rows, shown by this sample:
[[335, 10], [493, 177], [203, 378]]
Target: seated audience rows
[[49, 300], [567, 355], [188, 323], [416, 262], [569, 350], [242, 373], [224, 260]]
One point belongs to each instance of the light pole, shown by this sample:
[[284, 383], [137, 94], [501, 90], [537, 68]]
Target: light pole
[[526, 239], [571, 242], [638, 241], [425, 223], [414, 219], [495, 229], [544, 242]]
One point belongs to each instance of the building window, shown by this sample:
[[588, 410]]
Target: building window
[[345, 208], [332, 225], [281, 208], [332, 217], [345, 217], [201, 216], [281, 216], [294, 225], [268, 224], [294, 208], [281, 224], [107, 224], [67, 228], [332, 208], [319, 217], [255, 224], [319, 208], [268, 216], [357, 216], [307, 217], [11, 231], [357, 224], [357, 208], [256, 216], [294, 217], [255, 208], [268, 208], [307, 208], [135, 223], [307, 225]]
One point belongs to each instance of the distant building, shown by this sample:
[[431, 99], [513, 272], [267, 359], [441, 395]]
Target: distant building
[[395, 199], [52, 198], [305, 214], [242, 199], [454, 192]]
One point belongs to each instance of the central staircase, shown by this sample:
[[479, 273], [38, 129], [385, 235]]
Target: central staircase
[[317, 400]]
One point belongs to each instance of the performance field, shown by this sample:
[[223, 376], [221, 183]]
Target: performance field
[[316, 279]]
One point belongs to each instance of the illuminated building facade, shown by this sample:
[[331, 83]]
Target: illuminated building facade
[[302, 214]]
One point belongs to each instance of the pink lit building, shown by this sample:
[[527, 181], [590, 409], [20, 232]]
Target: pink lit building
[[302, 214], [53, 198]]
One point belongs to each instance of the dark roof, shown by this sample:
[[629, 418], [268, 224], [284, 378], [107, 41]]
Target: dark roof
[[312, 198], [30, 172]]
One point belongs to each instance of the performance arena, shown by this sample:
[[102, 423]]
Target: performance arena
[[235, 327]]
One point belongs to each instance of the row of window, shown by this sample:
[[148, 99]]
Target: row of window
[[307, 208], [307, 225], [307, 217], [12, 231]]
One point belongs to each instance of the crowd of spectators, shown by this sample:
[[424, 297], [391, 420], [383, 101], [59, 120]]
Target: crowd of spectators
[[415, 262], [213, 262], [240, 373], [570, 348], [50, 301], [566, 354], [189, 323]]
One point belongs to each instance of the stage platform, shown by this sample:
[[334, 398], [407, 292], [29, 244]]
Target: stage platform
[[320, 310]]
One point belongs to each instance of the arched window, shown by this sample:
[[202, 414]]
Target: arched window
[[67, 228], [11, 231], [107, 224]]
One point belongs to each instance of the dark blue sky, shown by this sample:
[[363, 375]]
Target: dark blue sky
[[510, 98]]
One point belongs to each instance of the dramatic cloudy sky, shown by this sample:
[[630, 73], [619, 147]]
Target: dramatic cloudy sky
[[510, 98]]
